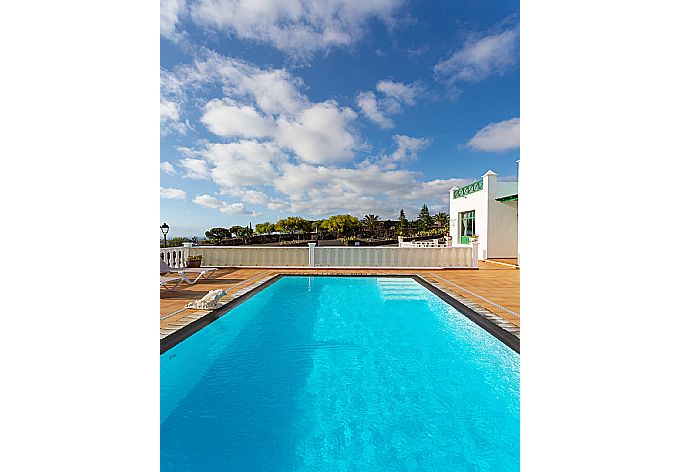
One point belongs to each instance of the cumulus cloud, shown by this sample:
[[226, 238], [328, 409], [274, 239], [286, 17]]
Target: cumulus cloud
[[406, 149], [481, 57], [287, 154], [256, 197], [403, 93], [170, 117], [225, 118], [320, 190], [209, 201], [497, 137], [320, 133], [171, 10], [297, 27], [244, 163], [168, 168], [273, 90], [369, 105], [392, 95], [195, 169], [267, 104], [173, 194]]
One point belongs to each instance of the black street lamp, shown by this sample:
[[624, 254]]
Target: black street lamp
[[164, 229]]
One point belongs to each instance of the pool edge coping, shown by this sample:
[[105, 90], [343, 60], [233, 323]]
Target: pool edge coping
[[480, 316]]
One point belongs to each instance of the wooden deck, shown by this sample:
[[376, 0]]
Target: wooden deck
[[496, 287]]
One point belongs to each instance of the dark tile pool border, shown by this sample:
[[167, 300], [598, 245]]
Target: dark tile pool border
[[507, 338]]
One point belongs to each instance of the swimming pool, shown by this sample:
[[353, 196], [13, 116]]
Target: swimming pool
[[341, 373]]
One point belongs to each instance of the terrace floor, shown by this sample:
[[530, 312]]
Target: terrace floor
[[495, 287]]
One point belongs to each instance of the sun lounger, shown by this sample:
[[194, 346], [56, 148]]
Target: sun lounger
[[177, 279], [205, 272]]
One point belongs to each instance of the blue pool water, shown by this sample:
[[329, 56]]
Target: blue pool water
[[341, 374]]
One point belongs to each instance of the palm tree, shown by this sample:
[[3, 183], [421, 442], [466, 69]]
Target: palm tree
[[372, 223], [442, 220]]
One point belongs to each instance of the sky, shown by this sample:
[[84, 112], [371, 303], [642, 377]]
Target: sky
[[312, 108]]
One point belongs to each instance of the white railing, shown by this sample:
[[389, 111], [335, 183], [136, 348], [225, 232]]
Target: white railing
[[349, 256], [175, 256], [393, 257], [264, 256]]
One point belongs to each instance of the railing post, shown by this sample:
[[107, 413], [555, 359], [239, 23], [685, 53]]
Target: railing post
[[312, 251], [185, 254], [475, 254]]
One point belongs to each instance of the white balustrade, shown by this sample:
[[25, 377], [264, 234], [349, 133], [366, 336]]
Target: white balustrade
[[247, 256], [393, 257], [347, 256], [176, 257]]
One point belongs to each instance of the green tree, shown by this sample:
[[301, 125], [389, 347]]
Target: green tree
[[265, 228], [245, 232], [424, 222], [402, 223], [442, 220], [218, 234], [293, 225], [372, 223], [176, 242], [315, 226], [341, 224], [237, 230]]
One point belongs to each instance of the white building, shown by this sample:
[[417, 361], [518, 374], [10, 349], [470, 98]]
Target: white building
[[486, 209]]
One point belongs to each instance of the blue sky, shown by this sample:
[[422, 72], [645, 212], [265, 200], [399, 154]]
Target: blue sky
[[319, 107]]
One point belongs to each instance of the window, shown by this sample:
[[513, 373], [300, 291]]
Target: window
[[466, 226]]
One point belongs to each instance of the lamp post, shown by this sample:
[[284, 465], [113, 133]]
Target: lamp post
[[164, 229]]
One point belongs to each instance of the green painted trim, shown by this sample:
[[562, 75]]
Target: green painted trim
[[467, 189], [508, 198]]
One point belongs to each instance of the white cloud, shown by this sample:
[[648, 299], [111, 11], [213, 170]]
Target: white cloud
[[169, 110], [173, 193], [170, 15], [224, 118], [481, 57], [406, 149], [170, 117], [395, 94], [168, 168], [273, 90], [406, 94], [320, 133], [434, 191], [297, 27], [244, 163], [256, 197], [497, 137], [369, 105], [319, 190], [267, 104], [229, 208], [195, 169]]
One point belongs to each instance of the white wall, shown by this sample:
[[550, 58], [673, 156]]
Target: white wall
[[478, 202], [495, 222], [503, 239], [502, 221]]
